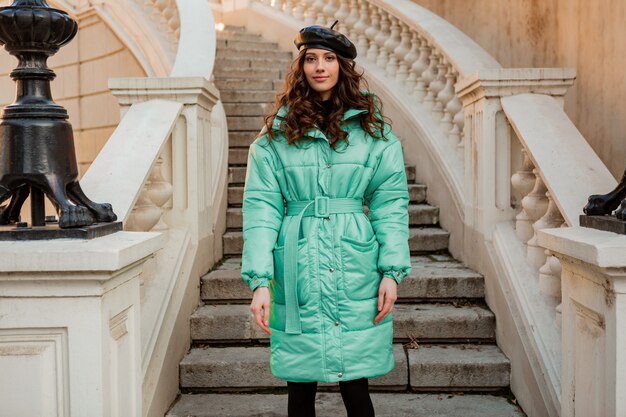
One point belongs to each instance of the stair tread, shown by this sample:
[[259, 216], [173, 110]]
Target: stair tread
[[423, 321], [330, 404]]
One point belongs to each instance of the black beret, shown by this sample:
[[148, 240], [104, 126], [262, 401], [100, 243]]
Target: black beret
[[324, 38]]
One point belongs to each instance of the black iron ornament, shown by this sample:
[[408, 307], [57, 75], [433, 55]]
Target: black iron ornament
[[37, 155], [607, 211]]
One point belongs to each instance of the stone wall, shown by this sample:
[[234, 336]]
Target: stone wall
[[83, 68], [588, 35]]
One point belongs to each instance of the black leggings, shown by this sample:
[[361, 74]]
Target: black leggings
[[355, 394]]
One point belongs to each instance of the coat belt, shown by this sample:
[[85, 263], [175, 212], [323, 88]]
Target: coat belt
[[320, 207]]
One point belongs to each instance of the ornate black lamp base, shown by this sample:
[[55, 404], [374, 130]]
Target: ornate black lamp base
[[53, 231], [607, 223]]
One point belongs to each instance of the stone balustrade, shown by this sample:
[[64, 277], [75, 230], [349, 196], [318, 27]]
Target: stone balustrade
[[403, 49], [165, 15]]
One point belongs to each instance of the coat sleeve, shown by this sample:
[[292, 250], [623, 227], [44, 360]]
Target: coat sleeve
[[263, 212], [387, 197]]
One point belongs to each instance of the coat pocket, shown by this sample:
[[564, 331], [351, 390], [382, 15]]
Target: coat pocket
[[359, 265], [277, 285]]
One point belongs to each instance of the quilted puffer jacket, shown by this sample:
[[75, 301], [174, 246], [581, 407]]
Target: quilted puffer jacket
[[321, 256]]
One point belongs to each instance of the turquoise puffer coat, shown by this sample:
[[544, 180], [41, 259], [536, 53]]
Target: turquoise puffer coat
[[324, 301]]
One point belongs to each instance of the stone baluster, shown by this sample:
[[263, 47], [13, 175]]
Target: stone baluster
[[458, 122], [420, 64], [406, 53], [351, 20], [549, 282], [536, 205], [144, 215], [318, 6], [298, 10], [381, 39], [360, 28], [310, 15], [443, 97], [329, 11], [436, 85], [452, 108], [523, 182], [341, 14], [159, 191], [429, 74], [371, 32], [391, 44], [288, 7]]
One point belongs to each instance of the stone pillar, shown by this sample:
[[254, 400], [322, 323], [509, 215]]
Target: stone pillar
[[70, 326], [593, 343], [487, 138]]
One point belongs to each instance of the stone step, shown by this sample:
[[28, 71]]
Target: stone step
[[237, 175], [239, 156], [426, 239], [429, 280], [458, 367], [246, 73], [419, 215], [330, 404], [274, 54], [234, 28], [248, 96], [224, 84], [432, 322], [247, 109], [244, 138], [250, 45], [417, 194], [257, 64], [248, 368], [239, 36]]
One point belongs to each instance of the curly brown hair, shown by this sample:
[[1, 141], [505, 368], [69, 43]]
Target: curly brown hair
[[303, 109]]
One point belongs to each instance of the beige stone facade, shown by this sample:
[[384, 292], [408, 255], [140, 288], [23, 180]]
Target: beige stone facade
[[582, 34]]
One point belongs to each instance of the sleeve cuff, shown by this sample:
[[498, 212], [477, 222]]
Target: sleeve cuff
[[256, 282], [396, 274]]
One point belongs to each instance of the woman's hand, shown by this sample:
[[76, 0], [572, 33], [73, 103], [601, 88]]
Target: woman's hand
[[387, 296], [260, 308]]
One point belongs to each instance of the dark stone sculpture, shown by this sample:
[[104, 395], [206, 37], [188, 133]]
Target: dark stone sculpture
[[37, 154], [599, 209]]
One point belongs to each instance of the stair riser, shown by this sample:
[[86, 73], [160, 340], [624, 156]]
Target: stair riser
[[258, 64], [428, 373], [225, 53], [237, 175], [242, 139], [417, 217], [231, 287], [247, 73], [228, 35], [240, 84], [226, 373], [245, 46], [235, 323], [417, 194], [253, 110], [237, 124], [235, 96], [233, 245]]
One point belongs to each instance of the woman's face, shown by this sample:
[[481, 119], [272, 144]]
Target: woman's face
[[321, 68]]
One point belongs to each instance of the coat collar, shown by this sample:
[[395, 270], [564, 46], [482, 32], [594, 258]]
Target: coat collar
[[313, 132]]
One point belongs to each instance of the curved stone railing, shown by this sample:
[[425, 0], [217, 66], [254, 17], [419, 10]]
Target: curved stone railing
[[511, 162]]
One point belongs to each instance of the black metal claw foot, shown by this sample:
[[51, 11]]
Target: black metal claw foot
[[11, 212], [600, 204], [74, 216], [102, 212]]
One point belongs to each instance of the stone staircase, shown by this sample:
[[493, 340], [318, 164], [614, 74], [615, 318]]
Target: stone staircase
[[447, 363]]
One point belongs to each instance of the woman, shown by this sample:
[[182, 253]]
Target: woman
[[324, 276]]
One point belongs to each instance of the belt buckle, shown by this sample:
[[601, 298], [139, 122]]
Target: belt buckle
[[322, 206]]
